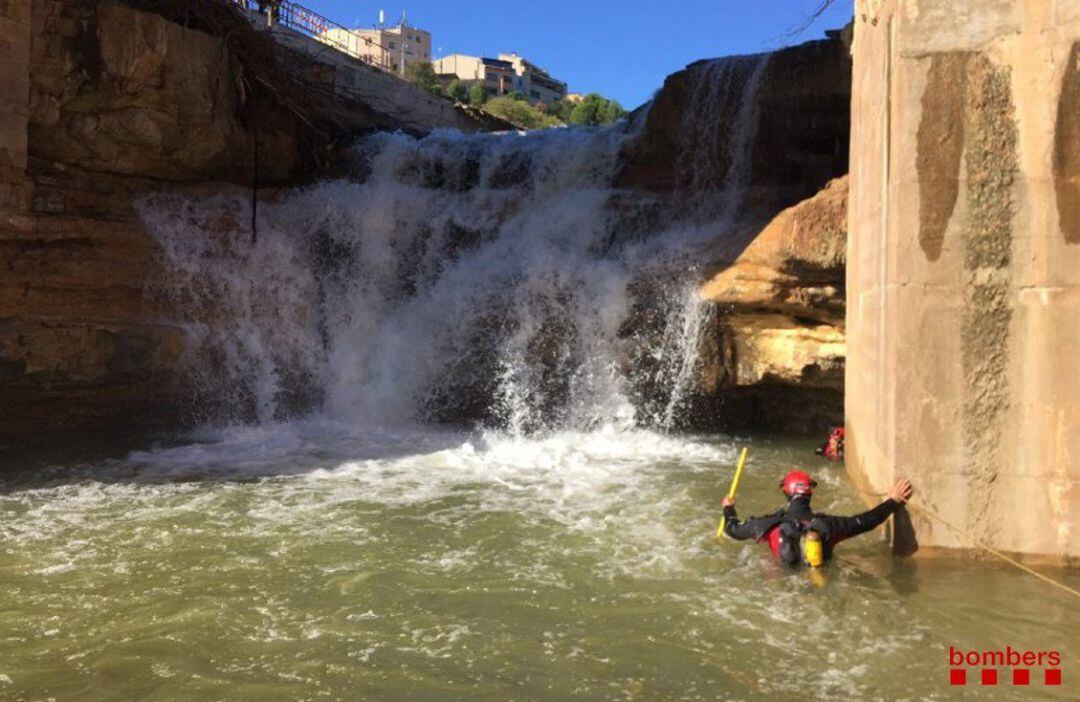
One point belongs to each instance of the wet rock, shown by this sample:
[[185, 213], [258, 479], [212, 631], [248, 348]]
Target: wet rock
[[102, 104], [774, 359], [795, 265]]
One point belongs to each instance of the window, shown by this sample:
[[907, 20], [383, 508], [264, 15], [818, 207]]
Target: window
[[393, 45]]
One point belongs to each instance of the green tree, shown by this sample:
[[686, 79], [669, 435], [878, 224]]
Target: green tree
[[477, 95], [457, 91], [561, 109], [517, 95], [595, 109], [422, 75], [520, 114]]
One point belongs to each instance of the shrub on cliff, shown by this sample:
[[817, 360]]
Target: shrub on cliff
[[595, 109], [477, 95], [520, 113], [458, 91], [561, 109], [422, 74]]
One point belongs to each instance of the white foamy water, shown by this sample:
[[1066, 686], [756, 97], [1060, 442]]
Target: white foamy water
[[326, 537], [308, 559], [492, 278]]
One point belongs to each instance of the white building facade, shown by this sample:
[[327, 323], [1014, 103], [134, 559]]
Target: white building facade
[[391, 48], [505, 74], [534, 82], [497, 76]]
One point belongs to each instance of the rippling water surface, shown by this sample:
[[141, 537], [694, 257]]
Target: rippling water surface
[[305, 561]]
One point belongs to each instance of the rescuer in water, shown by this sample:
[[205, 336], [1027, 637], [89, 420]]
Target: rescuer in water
[[796, 534], [833, 448]]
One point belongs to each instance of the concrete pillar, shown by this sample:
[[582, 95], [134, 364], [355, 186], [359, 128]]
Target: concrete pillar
[[963, 318]]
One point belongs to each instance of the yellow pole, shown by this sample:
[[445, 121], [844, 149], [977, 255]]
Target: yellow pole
[[734, 487]]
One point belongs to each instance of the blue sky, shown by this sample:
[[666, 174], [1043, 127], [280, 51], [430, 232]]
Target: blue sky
[[622, 49]]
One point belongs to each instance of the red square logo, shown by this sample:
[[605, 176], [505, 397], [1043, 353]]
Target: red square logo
[[989, 676], [1053, 676], [1021, 676], [958, 676]]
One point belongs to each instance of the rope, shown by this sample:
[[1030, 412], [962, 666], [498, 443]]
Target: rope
[[981, 544], [989, 549]]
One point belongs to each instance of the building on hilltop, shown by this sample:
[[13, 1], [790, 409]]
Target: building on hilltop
[[390, 48], [495, 75], [534, 82], [505, 74]]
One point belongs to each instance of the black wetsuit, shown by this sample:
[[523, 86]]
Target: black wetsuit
[[784, 527]]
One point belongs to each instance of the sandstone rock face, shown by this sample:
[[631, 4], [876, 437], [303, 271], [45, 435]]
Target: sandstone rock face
[[964, 269], [128, 92], [112, 103], [777, 357], [795, 265], [101, 104], [773, 357], [801, 138]]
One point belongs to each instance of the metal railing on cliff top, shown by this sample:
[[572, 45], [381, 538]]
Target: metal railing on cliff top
[[323, 29]]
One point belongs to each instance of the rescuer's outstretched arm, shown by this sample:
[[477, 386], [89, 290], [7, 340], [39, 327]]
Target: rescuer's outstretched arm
[[835, 529], [752, 528]]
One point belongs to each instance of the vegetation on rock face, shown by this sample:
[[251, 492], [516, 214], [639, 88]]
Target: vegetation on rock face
[[422, 75], [457, 91], [520, 113], [595, 109], [477, 95], [561, 109]]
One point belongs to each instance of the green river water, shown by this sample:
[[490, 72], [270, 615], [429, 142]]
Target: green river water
[[306, 562]]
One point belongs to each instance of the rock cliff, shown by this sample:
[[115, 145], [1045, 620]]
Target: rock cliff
[[773, 358], [104, 102], [777, 357], [113, 101]]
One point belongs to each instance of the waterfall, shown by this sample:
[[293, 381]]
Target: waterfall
[[497, 278], [719, 133]]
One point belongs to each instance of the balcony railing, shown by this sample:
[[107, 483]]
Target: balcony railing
[[323, 29]]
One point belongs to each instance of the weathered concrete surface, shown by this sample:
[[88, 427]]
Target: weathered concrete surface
[[963, 274]]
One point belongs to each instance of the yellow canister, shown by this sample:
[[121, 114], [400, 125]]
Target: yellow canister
[[812, 551]]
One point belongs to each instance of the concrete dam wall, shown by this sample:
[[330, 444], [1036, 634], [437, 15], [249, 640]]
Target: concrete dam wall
[[963, 274]]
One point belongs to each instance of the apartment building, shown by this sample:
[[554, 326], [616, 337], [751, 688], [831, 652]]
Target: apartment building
[[497, 76], [391, 48], [505, 74], [534, 82]]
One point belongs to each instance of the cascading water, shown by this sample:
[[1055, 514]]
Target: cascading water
[[719, 134], [353, 554], [465, 277]]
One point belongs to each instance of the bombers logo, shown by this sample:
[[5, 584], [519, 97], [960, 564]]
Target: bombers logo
[[1021, 663]]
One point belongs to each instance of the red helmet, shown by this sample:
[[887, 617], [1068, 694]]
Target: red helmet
[[796, 483]]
